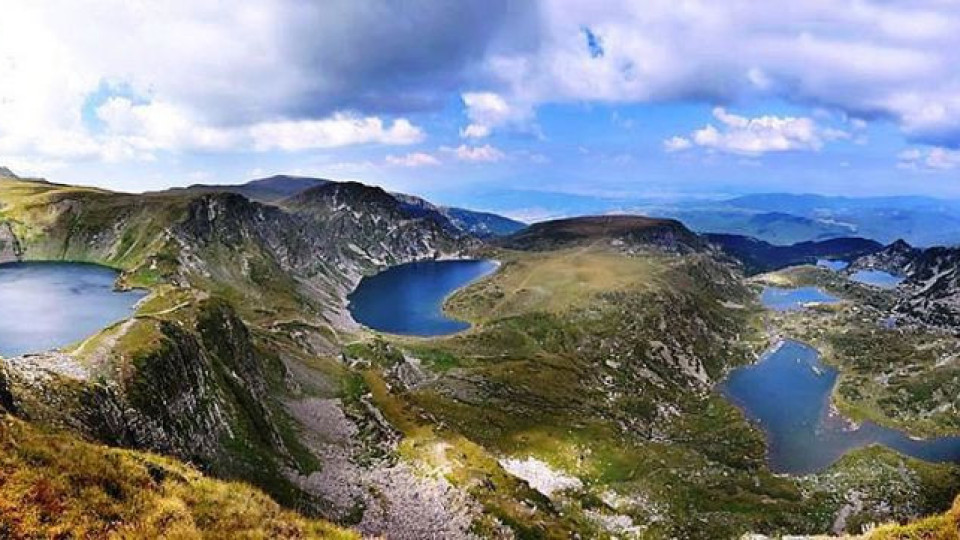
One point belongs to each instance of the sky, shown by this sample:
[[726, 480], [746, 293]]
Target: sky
[[478, 102]]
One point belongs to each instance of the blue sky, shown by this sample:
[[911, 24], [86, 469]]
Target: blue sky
[[507, 105]]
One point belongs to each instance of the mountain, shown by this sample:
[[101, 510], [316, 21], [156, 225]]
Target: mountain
[[630, 231], [779, 228], [758, 256], [931, 291], [265, 190], [895, 258], [922, 221], [276, 188], [482, 224], [6, 173], [581, 401], [479, 224], [237, 341]]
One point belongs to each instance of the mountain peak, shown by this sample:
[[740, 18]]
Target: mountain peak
[[900, 245], [633, 230], [7, 173]]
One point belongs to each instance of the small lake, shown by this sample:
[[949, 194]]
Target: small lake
[[788, 394], [408, 299], [48, 305], [783, 299], [877, 278], [834, 265]]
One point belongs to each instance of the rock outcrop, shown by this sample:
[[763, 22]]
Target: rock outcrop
[[9, 245]]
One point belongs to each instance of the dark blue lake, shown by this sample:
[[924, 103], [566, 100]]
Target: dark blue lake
[[780, 299], [877, 278], [49, 305], [408, 299], [788, 394]]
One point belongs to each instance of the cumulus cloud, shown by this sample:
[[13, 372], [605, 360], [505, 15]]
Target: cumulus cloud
[[134, 130], [414, 159], [752, 136], [929, 159], [477, 154], [338, 130], [292, 75], [487, 111], [284, 73], [869, 58]]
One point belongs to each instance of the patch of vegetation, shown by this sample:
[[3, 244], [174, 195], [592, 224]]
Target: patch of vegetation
[[54, 485], [613, 388], [945, 526]]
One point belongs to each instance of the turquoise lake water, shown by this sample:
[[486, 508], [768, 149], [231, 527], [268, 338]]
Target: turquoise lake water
[[784, 299], [877, 278], [408, 299], [48, 305]]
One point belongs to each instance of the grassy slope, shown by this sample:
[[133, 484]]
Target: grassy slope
[[128, 232], [534, 378], [56, 222], [54, 485]]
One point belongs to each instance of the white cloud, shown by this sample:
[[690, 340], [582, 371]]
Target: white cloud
[[866, 57], [488, 111], [414, 159], [930, 159], [280, 74], [485, 153], [187, 76], [753, 136], [137, 131], [676, 144], [338, 130]]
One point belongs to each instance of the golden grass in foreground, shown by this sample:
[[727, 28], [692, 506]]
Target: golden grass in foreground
[[943, 527], [55, 486]]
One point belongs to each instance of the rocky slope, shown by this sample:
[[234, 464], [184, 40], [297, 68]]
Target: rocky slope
[[480, 224], [224, 360], [276, 188], [894, 258], [930, 293]]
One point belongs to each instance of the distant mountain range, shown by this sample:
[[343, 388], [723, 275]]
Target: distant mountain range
[[777, 218], [276, 188], [786, 219]]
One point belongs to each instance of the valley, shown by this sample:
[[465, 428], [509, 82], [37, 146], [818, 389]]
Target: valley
[[579, 397]]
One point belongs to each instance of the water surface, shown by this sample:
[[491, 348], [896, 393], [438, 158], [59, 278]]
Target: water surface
[[48, 305], [408, 299], [877, 278], [788, 394], [782, 299]]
